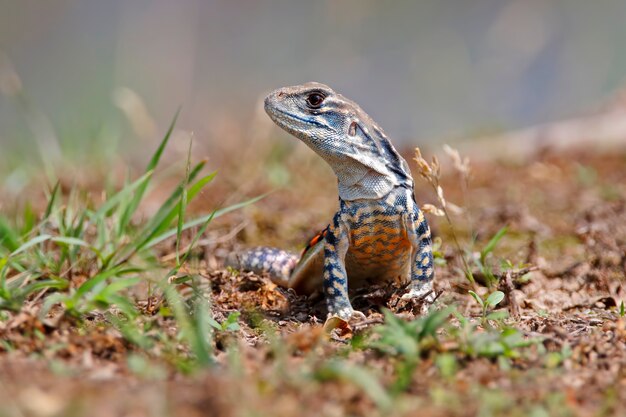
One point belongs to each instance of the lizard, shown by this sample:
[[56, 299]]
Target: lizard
[[379, 232]]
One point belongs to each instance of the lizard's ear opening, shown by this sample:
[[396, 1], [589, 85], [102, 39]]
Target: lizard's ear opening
[[352, 129]]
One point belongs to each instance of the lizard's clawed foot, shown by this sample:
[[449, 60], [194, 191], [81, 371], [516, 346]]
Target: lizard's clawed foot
[[424, 293], [343, 321]]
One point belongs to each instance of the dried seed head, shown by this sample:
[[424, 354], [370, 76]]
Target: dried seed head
[[423, 167], [454, 208], [436, 167], [462, 165], [432, 209], [440, 196]]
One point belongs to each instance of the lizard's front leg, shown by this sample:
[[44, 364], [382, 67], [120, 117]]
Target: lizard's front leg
[[335, 278], [422, 267]]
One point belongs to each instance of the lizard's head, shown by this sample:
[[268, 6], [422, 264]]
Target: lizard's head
[[312, 112], [343, 134]]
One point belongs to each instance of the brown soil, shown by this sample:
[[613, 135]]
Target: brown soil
[[566, 215]]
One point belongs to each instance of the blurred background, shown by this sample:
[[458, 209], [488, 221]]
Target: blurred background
[[88, 76]]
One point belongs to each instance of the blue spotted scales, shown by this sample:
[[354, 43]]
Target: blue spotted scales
[[378, 233]]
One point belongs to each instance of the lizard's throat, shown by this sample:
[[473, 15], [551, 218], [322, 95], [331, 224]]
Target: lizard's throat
[[357, 181]]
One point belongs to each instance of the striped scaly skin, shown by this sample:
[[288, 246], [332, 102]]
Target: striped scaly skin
[[379, 232]]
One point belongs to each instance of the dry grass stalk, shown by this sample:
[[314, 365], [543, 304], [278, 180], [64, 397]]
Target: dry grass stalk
[[432, 174]]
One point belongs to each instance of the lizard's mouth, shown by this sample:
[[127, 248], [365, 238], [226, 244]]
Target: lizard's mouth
[[290, 121], [282, 119]]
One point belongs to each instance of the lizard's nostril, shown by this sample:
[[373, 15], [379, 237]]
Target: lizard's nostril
[[281, 94]]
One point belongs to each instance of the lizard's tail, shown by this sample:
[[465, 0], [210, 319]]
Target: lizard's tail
[[277, 263]]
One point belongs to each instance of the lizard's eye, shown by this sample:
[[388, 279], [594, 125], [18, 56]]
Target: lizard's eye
[[315, 100]]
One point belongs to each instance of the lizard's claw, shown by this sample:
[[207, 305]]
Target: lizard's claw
[[342, 321], [357, 316], [423, 293]]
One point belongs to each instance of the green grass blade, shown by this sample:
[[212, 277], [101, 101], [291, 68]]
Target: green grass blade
[[29, 244], [433, 322], [70, 241], [29, 220], [117, 286], [51, 200], [203, 219], [51, 300], [124, 304], [154, 161], [166, 208], [195, 240], [195, 332], [165, 222], [8, 237], [131, 332], [182, 206], [91, 283], [201, 340], [360, 377], [157, 155], [491, 245], [45, 284], [119, 197]]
